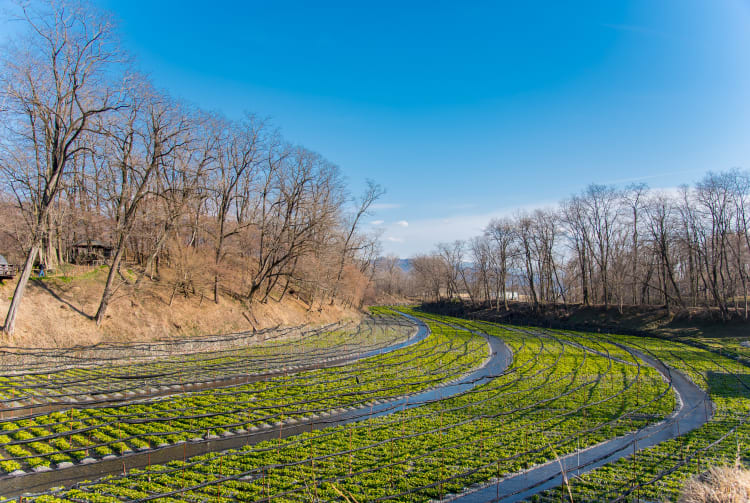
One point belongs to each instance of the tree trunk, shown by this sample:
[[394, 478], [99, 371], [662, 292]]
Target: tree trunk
[[584, 282], [635, 258], [153, 256], [217, 259], [108, 290], [505, 294], [605, 287], [10, 319]]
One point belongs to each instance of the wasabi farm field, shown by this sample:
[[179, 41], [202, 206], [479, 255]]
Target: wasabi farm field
[[402, 407]]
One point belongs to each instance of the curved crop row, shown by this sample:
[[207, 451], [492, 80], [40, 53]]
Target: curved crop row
[[658, 473], [74, 435], [91, 379], [558, 395]]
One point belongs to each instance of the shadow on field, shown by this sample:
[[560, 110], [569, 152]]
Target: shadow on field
[[729, 385]]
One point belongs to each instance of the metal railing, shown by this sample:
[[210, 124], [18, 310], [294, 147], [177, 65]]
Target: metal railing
[[7, 270]]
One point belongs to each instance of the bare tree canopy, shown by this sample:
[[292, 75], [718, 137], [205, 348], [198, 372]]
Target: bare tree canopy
[[92, 156], [53, 84]]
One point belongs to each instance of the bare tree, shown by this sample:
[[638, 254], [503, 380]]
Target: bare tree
[[389, 274], [660, 211], [53, 85], [299, 195], [180, 189], [741, 186], [573, 216], [452, 255], [163, 183], [372, 193], [545, 226], [634, 197], [503, 234], [688, 222], [713, 195], [526, 245], [601, 217], [481, 256], [147, 132], [235, 167], [430, 272]]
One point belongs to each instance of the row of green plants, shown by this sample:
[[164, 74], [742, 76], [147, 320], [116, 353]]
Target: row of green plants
[[659, 473], [72, 435], [559, 394], [259, 357], [733, 347]]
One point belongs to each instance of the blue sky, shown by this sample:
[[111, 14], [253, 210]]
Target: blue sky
[[465, 111]]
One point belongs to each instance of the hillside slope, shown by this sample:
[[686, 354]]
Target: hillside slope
[[58, 311]]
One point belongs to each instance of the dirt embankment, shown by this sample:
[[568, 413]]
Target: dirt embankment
[[636, 320], [58, 311]]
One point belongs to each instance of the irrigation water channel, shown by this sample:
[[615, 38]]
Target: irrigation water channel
[[694, 411]]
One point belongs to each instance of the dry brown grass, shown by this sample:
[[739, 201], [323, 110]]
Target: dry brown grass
[[720, 484], [58, 311]]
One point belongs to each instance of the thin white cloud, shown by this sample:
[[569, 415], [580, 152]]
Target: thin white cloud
[[377, 222], [402, 223], [393, 239]]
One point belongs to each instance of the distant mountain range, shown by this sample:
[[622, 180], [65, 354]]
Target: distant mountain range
[[406, 264], [403, 263]]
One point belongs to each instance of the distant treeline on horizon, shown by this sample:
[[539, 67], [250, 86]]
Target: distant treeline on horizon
[[688, 248]]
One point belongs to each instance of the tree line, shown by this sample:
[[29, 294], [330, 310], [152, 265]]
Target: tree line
[[680, 249], [91, 150]]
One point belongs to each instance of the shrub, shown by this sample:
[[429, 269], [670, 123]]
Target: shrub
[[720, 484]]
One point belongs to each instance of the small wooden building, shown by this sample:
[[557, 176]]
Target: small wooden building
[[92, 252], [7, 271]]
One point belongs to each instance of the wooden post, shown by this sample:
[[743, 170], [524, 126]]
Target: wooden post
[[481, 440], [632, 464], [268, 485], [391, 444], [221, 474], [441, 443], [637, 390], [403, 419], [498, 480]]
